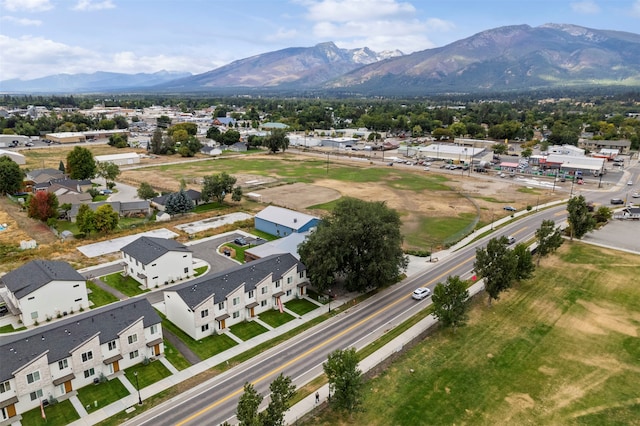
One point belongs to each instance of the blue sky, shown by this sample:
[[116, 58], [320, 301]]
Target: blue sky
[[45, 37]]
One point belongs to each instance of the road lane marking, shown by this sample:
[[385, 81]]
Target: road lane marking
[[310, 351]]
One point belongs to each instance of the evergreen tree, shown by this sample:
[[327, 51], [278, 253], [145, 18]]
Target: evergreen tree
[[178, 203]]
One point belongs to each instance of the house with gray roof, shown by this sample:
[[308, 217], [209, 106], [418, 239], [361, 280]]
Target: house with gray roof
[[44, 289], [160, 201], [67, 354], [281, 222], [123, 208], [155, 261], [211, 303]]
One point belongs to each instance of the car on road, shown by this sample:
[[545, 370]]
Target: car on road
[[29, 144], [509, 208], [635, 195], [240, 241], [630, 183], [511, 239], [615, 201], [421, 293], [426, 169]]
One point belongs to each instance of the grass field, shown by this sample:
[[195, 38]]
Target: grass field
[[60, 414], [98, 296], [105, 393], [276, 318], [561, 348], [147, 374], [126, 285], [248, 329]]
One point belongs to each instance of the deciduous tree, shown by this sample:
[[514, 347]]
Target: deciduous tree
[[43, 205], [524, 262], [248, 404], [497, 265], [450, 303], [277, 141], [106, 219], [282, 390], [217, 187], [10, 176], [85, 219], [80, 164], [345, 379], [360, 242], [549, 239], [580, 220], [109, 171], [146, 191]]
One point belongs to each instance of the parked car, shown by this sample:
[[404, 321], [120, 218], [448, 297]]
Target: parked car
[[3, 310], [630, 183], [421, 293], [28, 144], [510, 208], [426, 169], [105, 192], [240, 241], [617, 201]]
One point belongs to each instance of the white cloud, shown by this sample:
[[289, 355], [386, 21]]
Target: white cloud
[[22, 21], [27, 5], [586, 7], [86, 5], [359, 10]]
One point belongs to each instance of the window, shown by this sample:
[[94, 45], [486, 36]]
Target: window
[[34, 315], [251, 294], [36, 395], [264, 290], [78, 300], [278, 284], [263, 303], [33, 377], [204, 313], [31, 298], [186, 270], [155, 278], [301, 274], [288, 292], [76, 285], [5, 387], [143, 267], [236, 301], [88, 373], [184, 256], [87, 356], [204, 328], [63, 364], [133, 338], [154, 328], [133, 355], [289, 280], [112, 345], [221, 305], [236, 314], [153, 264]]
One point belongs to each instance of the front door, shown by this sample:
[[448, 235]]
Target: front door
[[156, 349], [116, 366], [252, 312], [67, 386]]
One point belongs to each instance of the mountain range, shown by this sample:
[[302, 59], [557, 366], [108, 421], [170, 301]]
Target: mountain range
[[512, 58]]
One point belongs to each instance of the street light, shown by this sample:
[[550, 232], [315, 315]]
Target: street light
[[135, 373]]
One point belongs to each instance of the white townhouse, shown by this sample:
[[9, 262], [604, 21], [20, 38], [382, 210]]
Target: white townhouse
[[55, 359], [211, 303], [155, 261], [44, 289]]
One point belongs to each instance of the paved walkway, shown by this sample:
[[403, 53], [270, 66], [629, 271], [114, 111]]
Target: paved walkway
[[187, 353], [106, 287]]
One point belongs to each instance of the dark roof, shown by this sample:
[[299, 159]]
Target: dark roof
[[52, 172], [38, 273], [191, 193], [221, 284], [148, 249], [61, 337]]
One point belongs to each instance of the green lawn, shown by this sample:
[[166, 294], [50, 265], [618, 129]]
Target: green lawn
[[199, 271], [175, 357], [9, 329], [202, 208], [300, 306], [248, 329], [147, 374], [59, 414], [275, 319], [126, 285], [105, 393], [205, 348], [560, 348], [98, 296]]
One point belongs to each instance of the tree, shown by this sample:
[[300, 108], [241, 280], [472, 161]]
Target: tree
[[360, 242], [230, 137], [497, 265], [549, 239], [119, 140], [214, 133], [43, 205], [10, 176], [237, 194], [580, 221], [526, 153], [109, 171], [178, 203], [499, 148], [65, 208], [524, 262], [603, 214], [277, 141], [61, 166], [146, 191], [217, 187], [450, 303], [247, 411], [85, 219], [282, 390], [106, 219], [80, 164], [345, 379]]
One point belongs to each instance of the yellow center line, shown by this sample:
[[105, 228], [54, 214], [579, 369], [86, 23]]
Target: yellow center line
[[305, 354]]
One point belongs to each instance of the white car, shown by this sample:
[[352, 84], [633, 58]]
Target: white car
[[421, 293], [635, 195], [426, 169], [630, 183]]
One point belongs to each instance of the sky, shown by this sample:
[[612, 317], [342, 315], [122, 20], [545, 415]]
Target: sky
[[46, 37]]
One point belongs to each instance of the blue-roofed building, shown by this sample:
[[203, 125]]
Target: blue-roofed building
[[281, 222]]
